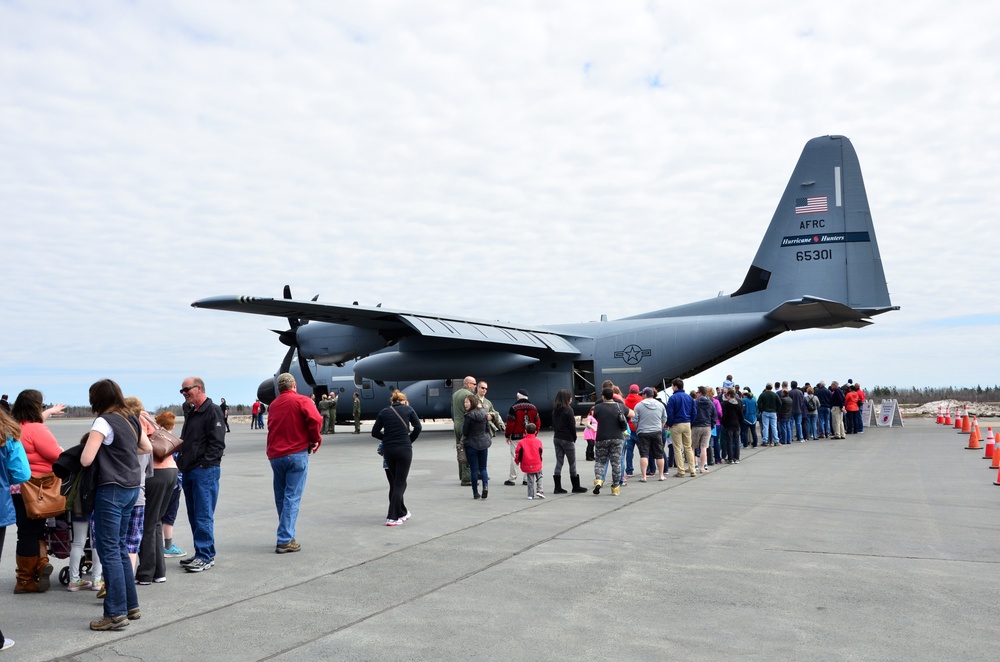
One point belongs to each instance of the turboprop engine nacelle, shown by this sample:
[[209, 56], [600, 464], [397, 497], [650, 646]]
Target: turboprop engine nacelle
[[329, 344]]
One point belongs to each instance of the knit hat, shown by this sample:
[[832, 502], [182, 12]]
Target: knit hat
[[522, 394]]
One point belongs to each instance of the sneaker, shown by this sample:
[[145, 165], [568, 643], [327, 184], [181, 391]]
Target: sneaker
[[509, 482], [198, 565], [539, 495], [524, 482], [173, 551], [393, 522], [531, 498], [7, 643], [409, 514], [110, 623], [614, 490], [96, 585], [134, 614], [290, 546], [597, 485], [78, 585], [159, 580], [143, 582]]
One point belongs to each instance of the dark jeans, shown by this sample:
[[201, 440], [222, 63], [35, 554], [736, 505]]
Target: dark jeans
[[477, 468], [630, 451], [201, 494], [397, 460], [732, 438], [29, 531], [158, 491], [748, 431], [112, 509]]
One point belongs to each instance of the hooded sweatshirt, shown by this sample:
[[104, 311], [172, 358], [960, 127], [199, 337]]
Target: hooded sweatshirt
[[650, 415]]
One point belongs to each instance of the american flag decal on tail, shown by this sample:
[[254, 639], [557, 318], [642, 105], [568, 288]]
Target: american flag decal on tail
[[810, 205]]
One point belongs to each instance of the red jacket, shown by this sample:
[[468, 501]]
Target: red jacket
[[631, 401], [293, 425], [528, 454]]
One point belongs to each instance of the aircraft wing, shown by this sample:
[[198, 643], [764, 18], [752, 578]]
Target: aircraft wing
[[398, 323]]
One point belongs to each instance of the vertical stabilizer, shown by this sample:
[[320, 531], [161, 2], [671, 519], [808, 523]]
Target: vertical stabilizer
[[821, 242]]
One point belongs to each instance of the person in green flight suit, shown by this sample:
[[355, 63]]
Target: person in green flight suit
[[457, 417], [324, 409], [333, 412], [494, 417], [357, 413]]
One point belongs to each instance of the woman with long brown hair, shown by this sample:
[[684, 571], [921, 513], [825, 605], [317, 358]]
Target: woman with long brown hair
[[33, 567], [116, 439]]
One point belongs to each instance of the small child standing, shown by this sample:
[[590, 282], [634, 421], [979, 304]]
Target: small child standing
[[528, 455], [590, 434]]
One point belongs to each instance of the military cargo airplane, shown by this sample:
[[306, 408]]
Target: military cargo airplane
[[818, 266]]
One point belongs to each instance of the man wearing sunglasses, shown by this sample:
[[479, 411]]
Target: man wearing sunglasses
[[199, 459]]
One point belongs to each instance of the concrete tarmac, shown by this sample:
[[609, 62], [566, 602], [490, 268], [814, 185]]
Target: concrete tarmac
[[878, 547]]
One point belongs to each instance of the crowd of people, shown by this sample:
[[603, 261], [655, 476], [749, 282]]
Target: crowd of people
[[125, 497]]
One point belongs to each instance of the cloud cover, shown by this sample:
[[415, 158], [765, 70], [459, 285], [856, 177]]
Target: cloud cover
[[556, 159]]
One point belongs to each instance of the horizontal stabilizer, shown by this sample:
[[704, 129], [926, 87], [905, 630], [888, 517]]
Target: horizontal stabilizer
[[810, 313]]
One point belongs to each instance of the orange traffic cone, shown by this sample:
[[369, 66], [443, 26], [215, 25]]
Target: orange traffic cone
[[940, 417], [958, 419], [990, 442], [966, 423], [973, 441], [996, 457], [975, 426], [947, 416]]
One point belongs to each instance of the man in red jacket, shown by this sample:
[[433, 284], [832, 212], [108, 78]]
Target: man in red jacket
[[293, 432]]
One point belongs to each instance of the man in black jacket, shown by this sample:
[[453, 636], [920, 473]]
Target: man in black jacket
[[200, 457]]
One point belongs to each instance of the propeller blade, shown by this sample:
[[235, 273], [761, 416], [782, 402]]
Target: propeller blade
[[304, 368], [286, 362]]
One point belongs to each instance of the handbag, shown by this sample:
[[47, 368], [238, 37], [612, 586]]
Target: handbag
[[17, 462], [164, 443], [42, 496]]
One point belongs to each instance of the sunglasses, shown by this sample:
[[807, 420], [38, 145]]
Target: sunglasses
[[188, 388]]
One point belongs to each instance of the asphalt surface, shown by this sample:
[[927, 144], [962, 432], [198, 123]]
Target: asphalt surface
[[883, 546]]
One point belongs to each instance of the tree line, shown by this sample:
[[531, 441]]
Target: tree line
[[918, 396]]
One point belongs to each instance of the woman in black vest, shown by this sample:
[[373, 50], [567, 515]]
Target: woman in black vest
[[115, 442]]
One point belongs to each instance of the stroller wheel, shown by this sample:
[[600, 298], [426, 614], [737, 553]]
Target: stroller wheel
[[64, 576], [85, 567]]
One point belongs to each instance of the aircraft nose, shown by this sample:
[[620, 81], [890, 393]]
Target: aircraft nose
[[265, 392]]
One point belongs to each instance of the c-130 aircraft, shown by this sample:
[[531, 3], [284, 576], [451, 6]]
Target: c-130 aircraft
[[818, 266]]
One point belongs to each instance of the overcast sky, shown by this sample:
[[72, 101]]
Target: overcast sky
[[531, 162]]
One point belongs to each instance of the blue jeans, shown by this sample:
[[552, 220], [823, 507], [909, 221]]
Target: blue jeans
[[112, 509], [201, 493], [477, 467], [748, 431], [769, 426], [811, 425], [786, 428], [630, 451], [824, 422], [797, 422], [290, 472]]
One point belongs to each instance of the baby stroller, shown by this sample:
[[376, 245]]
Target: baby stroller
[[59, 537]]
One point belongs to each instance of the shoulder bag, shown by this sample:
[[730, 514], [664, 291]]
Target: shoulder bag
[[42, 496]]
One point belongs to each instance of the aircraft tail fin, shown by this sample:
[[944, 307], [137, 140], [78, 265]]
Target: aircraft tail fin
[[820, 245]]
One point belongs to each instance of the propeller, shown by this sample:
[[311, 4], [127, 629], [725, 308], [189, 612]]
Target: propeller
[[288, 338]]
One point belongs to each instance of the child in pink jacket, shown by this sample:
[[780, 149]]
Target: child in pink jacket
[[528, 455]]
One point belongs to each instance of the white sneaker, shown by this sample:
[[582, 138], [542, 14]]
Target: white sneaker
[[393, 522], [7, 643], [406, 516], [530, 498], [539, 495]]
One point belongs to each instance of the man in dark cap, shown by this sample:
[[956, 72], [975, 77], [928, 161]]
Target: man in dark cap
[[520, 414]]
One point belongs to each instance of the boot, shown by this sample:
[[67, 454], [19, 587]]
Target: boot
[[26, 582], [576, 485], [464, 475], [558, 489], [44, 568]]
